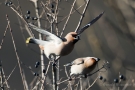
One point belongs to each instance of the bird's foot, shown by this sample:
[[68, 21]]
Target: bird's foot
[[83, 76]]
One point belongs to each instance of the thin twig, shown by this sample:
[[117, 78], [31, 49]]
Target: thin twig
[[40, 37], [46, 73], [44, 6], [57, 33], [93, 82], [71, 13], [29, 31], [20, 23], [54, 75], [3, 37], [18, 59], [3, 78], [19, 7], [77, 85], [40, 81], [81, 84], [10, 73], [56, 17], [66, 71], [68, 18], [81, 18]]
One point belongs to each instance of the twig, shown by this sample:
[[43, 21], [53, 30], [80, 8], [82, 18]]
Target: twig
[[19, 6], [54, 77], [68, 18], [37, 76], [44, 6], [25, 82], [18, 59], [71, 13], [40, 37], [46, 73], [81, 18], [66, 71], [75, 9], [93, 82], [21, 29], [10, 73], [81, 84], [65, 87], [77, 85], [3, 78], [70, 85], [29, 31], [3, 37], [56, 20]]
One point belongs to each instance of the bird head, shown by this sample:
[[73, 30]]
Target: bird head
[[91, 61], [72, 37]]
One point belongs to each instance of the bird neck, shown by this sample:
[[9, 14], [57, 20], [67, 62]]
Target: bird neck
[[90, 63]]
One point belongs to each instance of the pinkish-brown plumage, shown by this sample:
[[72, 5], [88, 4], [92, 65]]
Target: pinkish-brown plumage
[[53, 44], [83, 65]]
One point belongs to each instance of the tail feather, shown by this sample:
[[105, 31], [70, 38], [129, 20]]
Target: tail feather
[[30, 40], [36, 41]]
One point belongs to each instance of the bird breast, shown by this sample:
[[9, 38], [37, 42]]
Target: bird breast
[[77, 69], [58, 49], [81, 69]]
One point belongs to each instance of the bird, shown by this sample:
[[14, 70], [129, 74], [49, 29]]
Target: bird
[[55, 45], [82, 66]]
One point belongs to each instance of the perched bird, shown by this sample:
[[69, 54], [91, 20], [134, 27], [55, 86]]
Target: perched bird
[[54, 45], [82, 66]]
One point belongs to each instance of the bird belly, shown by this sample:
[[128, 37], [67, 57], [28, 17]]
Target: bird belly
[[57, 49], [80, 69], [66, 50], [77, 69]]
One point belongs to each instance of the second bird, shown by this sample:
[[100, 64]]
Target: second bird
[[82, 66]]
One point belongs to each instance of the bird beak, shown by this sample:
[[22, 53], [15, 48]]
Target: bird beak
[[97, 59], [30, 40]]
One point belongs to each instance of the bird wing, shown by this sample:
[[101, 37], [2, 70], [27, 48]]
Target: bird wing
[[49, 36], [78, 61], [75, 62], [89, 24]]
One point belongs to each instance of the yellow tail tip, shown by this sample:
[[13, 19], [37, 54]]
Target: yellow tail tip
[[28, 39]]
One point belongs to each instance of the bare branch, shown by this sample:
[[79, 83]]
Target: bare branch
[[29, 31], [93, 82], [40, 38], [82, 16], [71, 13], [18, 59], [68, 18], [3, 37], [10, 73]]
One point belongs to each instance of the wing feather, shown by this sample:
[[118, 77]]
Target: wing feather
[[49, 36]]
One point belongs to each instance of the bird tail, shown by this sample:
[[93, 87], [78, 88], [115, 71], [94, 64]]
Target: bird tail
[[35, 41], [29, 40]]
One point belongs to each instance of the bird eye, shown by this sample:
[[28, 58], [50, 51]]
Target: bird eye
[[74, 35], [97, 59]]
